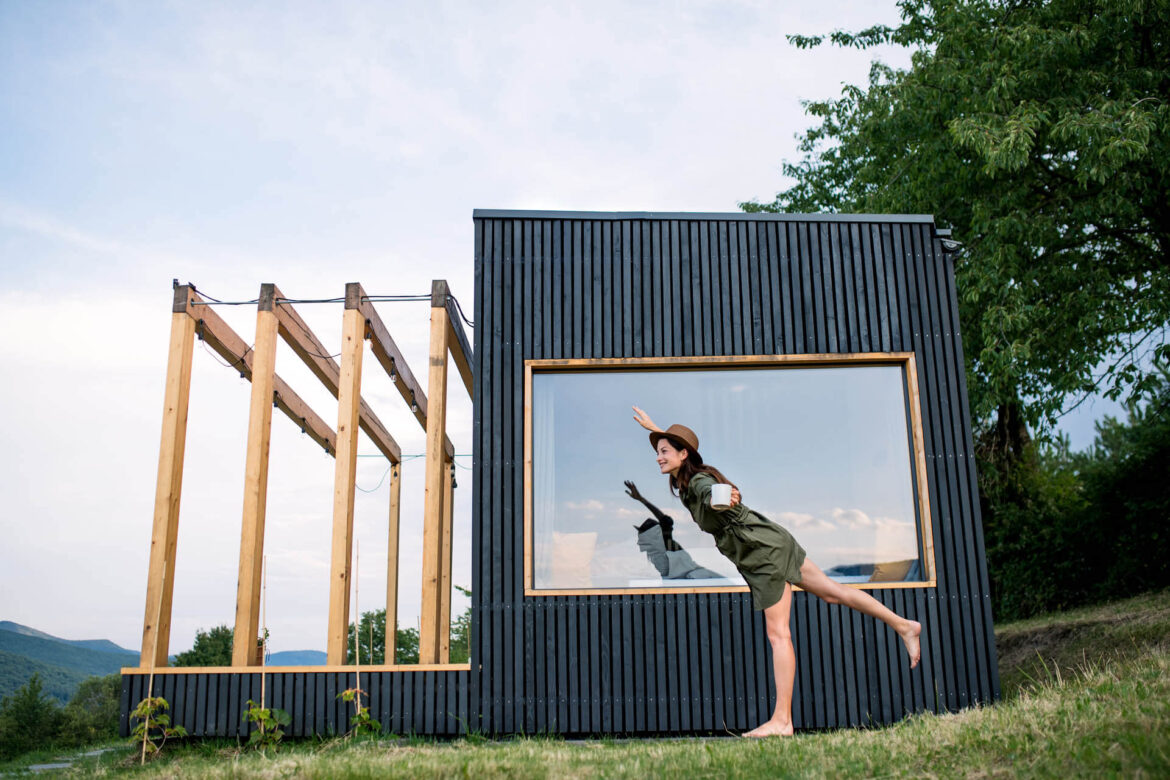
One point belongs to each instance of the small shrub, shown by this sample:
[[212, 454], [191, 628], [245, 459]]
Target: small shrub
[[153, 724], [268, 724], [360, 722]]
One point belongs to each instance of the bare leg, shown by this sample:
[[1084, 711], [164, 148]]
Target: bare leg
[[783, 666], [818, 583]]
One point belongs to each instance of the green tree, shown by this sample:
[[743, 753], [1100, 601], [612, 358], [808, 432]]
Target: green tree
[[92, 714], [28, 719], [1125, 479], [1037, 129], [461, 633], [1085, 527], [211, 648], [373, 638], [374, 650]]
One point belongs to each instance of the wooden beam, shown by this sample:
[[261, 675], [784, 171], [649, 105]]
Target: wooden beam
[[156, 625], [247, 626], [194, 671], [445, 565], [428, 643], [460, 348], [309, 349], [392, 565], [222, 339], [352, 342], [387, 354]]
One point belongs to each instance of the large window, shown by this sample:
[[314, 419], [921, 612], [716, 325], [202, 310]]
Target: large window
[[827, 447]]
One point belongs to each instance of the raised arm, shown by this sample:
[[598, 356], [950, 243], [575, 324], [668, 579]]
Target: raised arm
[[644, 420], [664, 519]]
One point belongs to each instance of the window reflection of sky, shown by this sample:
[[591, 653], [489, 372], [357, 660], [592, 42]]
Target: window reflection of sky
[[822, 451]]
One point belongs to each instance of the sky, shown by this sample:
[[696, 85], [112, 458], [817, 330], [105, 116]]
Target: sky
[[311, 145]]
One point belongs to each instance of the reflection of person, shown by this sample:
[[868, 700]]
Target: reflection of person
[[656, 539], [768, 558]]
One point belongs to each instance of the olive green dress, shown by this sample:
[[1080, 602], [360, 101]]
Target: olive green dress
[[766, 555]]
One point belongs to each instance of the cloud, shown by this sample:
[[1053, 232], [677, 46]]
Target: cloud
[[592, 505], [851, 518], [804, 521]]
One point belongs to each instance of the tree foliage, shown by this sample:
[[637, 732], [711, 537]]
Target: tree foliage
[[373, 638], [211, 648], [1037, 129], [29, 719], [92, 714], [1083, 527]]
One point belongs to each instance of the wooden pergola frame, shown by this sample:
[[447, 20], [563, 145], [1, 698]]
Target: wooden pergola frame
[[275, 315]]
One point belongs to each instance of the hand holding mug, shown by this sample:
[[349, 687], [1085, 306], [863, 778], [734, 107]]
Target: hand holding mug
[[724, 497]]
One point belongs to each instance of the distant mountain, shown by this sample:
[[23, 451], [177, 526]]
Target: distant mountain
[[101, 645], [61, 663], [297, 658], [58, 682]]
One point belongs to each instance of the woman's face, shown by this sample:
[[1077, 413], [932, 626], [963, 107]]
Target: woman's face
[[670, 459]]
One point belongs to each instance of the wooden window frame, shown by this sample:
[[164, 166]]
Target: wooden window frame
[[918, 473]]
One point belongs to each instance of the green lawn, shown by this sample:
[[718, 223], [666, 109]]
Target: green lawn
[[1098, 704]]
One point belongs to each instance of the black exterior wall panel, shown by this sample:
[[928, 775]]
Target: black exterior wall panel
[[635, 286], [212, 704]]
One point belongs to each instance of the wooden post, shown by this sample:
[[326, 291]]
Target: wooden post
[[428, 641], [392, 566], [445, 564], [156, 625], [255, 482], [348, 404]]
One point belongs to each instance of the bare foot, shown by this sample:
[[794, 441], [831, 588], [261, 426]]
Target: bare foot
[[771, 728], [910, 639]]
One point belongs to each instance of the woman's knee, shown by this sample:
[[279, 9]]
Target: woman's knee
[[779, 633]]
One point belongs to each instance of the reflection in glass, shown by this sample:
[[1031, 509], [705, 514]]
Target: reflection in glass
[[823, 451]]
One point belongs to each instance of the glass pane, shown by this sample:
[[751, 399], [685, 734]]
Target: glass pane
[[823, 451]]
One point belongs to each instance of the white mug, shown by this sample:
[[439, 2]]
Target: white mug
[[720, 497]]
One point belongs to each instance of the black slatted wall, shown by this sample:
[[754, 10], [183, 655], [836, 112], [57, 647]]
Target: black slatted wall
[[211, 704], [581, 285]]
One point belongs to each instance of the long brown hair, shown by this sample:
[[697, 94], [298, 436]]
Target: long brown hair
[[693, 464]]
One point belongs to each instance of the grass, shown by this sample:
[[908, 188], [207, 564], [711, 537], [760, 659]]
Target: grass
[[1086, 693], [1038, 647]]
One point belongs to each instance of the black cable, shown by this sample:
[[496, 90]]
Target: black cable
[[459, 308], [371, 298]]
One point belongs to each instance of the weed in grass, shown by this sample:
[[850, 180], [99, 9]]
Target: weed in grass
[[154, 726], [268, 725]]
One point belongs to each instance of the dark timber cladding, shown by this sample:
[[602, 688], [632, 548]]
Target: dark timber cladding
[[592, 285], [210, 702]]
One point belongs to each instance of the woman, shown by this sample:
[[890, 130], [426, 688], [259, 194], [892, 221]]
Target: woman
[[767, 556]]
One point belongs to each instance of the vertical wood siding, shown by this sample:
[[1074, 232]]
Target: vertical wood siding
[[551, 285], [212, 704]]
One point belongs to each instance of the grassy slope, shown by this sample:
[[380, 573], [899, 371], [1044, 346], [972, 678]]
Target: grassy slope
[[1106, 712], [1035, 649]]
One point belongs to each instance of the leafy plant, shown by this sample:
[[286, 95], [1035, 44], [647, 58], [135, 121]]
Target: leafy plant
[[153, 724], [268, 724], [360, 722], [28, 718]]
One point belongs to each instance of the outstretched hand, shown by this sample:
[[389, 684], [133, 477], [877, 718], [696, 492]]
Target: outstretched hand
[[644, 420], [632, 491]]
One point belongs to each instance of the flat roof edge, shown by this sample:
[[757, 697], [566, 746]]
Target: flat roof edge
[[709, 215]]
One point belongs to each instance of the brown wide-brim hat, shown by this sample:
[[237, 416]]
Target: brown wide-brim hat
[[679, 435]]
